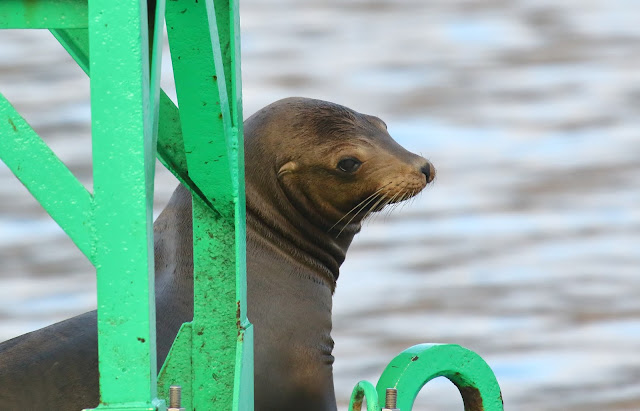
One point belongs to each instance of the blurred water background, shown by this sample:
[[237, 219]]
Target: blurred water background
[[526, 248]]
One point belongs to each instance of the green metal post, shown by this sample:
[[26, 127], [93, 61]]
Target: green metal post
[[206, 71], [113, 227], [123, 162], [178, 369], [211, 122]]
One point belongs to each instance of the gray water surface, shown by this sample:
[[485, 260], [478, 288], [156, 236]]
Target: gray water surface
[[525, 249]]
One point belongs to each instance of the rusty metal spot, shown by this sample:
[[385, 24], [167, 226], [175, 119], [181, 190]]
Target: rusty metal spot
[[414, 358], [141, 339], [15, 129], [239, 323], [471, 398]]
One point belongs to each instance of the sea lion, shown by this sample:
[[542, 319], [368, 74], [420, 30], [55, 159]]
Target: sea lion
[[314, 171]]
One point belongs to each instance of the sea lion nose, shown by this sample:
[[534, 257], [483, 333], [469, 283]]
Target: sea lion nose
[[429, 171]]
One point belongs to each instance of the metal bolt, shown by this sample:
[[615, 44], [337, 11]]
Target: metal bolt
[[391, 400], [175, 392]]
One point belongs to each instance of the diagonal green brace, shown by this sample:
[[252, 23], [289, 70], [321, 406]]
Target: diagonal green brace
[[202, 96], [46, 177], [170, 143]]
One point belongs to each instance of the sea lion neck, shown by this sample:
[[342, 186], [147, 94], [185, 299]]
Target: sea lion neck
[[274, 219], [272, 139]]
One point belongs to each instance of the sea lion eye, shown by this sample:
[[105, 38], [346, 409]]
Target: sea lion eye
[[349, 165]]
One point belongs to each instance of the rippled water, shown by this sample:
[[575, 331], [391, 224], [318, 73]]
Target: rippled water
[[524, 250]]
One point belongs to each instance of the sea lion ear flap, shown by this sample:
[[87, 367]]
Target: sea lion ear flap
[[289, 167]]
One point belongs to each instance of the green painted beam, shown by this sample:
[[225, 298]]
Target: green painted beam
[[235, 70], [170, 147], [46, 177], [223, 28], [243, 394], [123, 158], [76, 42], [222, 355], [155, 73], [220, 301], [43, 14], [202, 97], [414, 367], [243, 382], [215, 309]]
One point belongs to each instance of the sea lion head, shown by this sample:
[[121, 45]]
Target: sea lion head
[[335, 166]]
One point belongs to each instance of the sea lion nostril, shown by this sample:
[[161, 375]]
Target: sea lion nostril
[[426, 170]]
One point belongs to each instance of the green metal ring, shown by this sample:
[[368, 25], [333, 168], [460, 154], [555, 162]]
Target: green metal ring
[[364, 390], [414, 367]]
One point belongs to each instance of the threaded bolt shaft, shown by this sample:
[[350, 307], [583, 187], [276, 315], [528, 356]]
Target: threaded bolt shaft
[[175, 392], [391, 398]]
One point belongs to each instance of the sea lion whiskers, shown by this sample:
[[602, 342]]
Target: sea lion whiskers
[[358, 205], [376, 205], [362, 208], [411, 198], [405, 195], [402, 203], [394, 205], [380, 199], [391, 201]]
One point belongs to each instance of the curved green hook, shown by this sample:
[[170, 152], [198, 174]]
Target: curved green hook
[[414, 367], [364, 390]]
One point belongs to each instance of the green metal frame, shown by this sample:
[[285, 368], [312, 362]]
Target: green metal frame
[[133, 121], [113, 225]]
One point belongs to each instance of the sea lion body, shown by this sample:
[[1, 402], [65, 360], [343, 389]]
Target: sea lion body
[[314, 170], [295, 247], [56, 367]]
